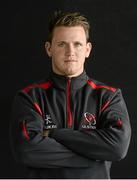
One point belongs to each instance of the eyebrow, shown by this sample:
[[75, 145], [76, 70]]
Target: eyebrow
[[68, 42]]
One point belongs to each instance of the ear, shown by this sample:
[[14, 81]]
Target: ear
[[48, 48], [88, 49]]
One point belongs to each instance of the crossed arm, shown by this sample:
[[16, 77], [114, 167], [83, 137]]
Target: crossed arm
[[29, 144], [65, 147]]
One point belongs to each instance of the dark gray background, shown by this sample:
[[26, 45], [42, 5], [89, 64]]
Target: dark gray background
[[23, 26]]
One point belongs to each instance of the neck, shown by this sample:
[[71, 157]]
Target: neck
[[69, 75]]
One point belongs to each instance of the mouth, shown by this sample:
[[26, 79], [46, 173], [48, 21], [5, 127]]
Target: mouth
[[70, 61]]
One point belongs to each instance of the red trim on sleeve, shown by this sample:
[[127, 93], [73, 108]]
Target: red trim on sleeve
[[24, 129], [105, 106], [43, 86], [94, 86], [38, 108], [119, 123]]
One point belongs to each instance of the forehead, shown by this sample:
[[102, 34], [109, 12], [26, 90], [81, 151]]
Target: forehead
[[63, 33]]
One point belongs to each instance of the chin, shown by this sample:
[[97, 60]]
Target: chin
[[71, 73]]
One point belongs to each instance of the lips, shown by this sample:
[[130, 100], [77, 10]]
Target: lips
[[70, 60]]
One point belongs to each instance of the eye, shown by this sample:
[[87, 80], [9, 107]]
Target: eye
[[78, 44], [61, 44]]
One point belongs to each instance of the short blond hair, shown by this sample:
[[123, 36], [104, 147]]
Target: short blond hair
[[68, 19]]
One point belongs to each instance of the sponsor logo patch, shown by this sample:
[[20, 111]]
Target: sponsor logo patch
[[48, 123]]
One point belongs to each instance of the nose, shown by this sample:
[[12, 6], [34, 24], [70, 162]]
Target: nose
[[70, 51]]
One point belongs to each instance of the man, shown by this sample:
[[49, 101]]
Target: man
[[69, 125]]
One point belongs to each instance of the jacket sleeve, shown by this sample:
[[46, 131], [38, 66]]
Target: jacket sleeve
[[29, 146], [109, 141]]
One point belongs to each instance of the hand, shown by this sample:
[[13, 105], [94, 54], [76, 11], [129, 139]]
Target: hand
[[46, 133]]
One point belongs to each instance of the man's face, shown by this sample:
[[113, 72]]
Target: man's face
[[68, 50]]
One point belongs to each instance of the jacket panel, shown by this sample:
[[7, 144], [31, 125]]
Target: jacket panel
[[88, 121], [27, 141], [107, 137]]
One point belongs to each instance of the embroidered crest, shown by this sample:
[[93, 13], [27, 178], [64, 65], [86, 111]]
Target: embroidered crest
[[89, 121]]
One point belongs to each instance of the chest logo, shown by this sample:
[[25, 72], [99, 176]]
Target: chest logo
[[89, 121], [48, 123]]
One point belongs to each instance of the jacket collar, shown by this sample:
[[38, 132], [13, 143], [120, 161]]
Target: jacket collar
[[61, 82]]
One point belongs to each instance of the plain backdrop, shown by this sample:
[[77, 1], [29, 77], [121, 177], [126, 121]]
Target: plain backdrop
[[23, 32]]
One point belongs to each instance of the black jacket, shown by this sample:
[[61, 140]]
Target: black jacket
[[89, 128]]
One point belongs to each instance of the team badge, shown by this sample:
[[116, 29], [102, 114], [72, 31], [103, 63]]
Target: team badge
[[89, 121]]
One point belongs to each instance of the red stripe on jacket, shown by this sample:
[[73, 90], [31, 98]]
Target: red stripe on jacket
[[95, 86], [45, 85], [105, 106], [25, 132], [38, 108], [69, 113]]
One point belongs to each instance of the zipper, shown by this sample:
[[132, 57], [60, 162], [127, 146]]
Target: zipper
[[69, 112]]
